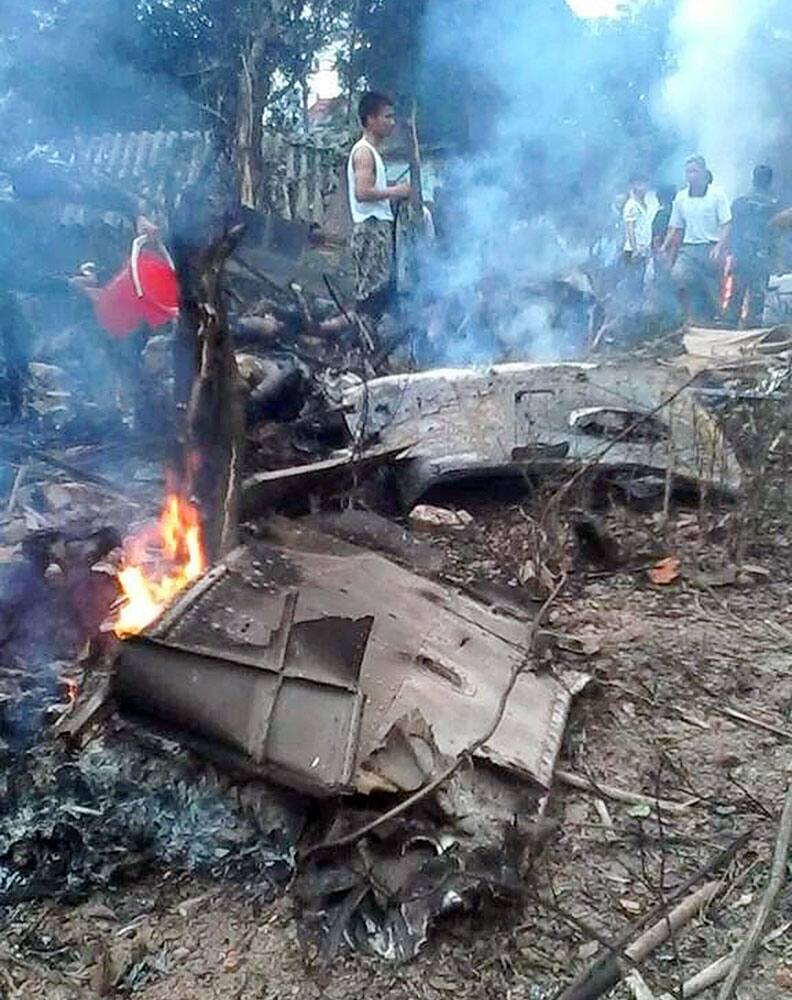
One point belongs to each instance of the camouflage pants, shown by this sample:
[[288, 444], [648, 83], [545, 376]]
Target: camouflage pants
[[372, 255]]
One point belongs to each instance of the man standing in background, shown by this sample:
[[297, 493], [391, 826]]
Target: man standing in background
[[639, 212], [370, 205], [698, 233], [638, 215], [752, 246], [665, 198], [660, 292]]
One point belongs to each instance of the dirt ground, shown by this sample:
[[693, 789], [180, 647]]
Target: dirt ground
[[669, 660]]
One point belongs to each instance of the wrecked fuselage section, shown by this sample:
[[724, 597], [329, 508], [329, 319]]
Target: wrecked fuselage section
[[461, 423], [306, 653], [333, 670]]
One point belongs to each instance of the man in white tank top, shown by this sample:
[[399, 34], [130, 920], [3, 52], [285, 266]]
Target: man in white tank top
[[370, 206]]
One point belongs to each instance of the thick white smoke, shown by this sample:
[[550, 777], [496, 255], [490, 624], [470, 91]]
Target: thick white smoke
[[720, 96]]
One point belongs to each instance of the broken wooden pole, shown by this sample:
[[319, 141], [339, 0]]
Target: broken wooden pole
[[720, 860], [605, 975], [618, 794], [703, 980], [778, 872], [716, 972], [660, 932]]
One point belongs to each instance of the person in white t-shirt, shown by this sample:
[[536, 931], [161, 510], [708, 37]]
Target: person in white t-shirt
[[698, 233], [370, 198], [638, 215]]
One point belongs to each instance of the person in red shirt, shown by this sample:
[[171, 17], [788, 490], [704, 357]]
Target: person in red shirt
[[145, 290], [143, 295]]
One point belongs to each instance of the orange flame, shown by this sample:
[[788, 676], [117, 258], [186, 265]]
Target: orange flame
[[728, 292], [727, 288], [159, 563]]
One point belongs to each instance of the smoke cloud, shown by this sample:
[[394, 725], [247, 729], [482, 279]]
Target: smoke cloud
[[561, 111], [723, 98], [559, 118]]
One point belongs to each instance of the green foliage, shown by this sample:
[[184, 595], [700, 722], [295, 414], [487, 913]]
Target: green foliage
[[134, 64], [583, 77]]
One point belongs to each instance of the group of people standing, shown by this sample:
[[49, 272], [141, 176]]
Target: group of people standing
[[694, 238], [687, 242]]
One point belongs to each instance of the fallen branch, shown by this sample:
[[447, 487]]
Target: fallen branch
[[750, 720], [604, 815], [12, 496], [606, 975], [778, 873], [601, 964], [83, 714], [716, 972], [462, 757], [710, 976], [637, 985], [619, 794], [676, 919], [583, 926], [355, 320], [691, 719], [30, 452], [255, 272]]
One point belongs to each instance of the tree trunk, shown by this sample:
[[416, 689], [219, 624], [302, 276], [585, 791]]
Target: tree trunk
[[13, 345], [208, 388], [251, 99], [215, 425]]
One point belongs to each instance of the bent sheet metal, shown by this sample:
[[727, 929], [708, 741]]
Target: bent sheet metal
[[303, 654], [506, 418]]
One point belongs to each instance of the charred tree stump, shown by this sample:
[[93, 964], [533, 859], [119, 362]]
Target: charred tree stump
[[13, 340], [208, 386], [215, 420]]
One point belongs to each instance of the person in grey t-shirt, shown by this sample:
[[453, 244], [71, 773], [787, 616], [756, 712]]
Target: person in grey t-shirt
[[698, 232]]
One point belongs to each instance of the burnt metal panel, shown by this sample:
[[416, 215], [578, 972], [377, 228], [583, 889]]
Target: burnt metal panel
[[216, 698], [229, 663], [302, 654], [471, 421]]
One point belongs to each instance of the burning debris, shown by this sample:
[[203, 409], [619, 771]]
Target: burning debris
[[422, 714], [325, 657], [158, 564], [316, 673]]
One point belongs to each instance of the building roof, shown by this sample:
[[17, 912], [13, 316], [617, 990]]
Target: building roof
[[323, 110]]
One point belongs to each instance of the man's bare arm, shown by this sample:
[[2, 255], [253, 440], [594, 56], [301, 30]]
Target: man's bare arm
[[366, 180], [723, 240], [783, 220], [673, 240]]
